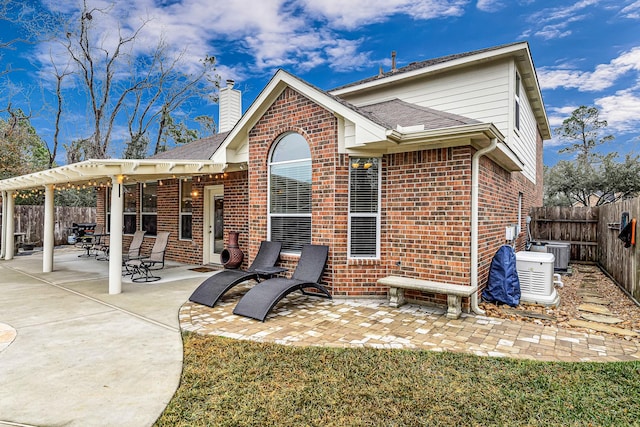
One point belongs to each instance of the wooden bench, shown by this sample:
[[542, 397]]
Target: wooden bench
[[398, 284]]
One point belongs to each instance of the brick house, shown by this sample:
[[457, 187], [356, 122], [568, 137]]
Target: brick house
[[416, 172]]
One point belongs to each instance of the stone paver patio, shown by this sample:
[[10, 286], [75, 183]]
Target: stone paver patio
[[301, 320]]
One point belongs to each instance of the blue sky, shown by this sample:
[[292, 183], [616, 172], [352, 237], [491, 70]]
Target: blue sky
[[586, 52]]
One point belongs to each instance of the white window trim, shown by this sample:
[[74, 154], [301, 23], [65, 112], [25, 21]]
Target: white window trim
[[269, 214], [517, 108], [378, 217]]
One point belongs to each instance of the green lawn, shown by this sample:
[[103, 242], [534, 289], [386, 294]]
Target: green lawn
[[238, 383]]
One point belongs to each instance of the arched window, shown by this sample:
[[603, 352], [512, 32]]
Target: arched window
[[290, 192]]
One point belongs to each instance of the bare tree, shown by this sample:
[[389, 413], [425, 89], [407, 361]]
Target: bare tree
[[155, 86], [165, 89], [60, 75], [122, 83], [97, 65]]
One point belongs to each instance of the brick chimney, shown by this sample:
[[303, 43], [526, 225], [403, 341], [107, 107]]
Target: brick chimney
[[230, 107]]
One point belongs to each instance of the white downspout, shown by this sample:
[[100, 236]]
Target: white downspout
[[475, 177]]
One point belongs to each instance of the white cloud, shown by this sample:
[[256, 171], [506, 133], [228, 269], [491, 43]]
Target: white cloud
[[490, 5], [353, 13], [621, 110], [602, 77], [300, 34], [554, 22], [631, 11]]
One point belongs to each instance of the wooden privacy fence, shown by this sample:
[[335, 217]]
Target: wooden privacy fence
[[620, 262], [577, 225], [593, 234], [30, 220]]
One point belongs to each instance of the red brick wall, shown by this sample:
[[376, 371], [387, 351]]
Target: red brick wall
[[426, 204], [190, 251], [292, 112], [426, 212]]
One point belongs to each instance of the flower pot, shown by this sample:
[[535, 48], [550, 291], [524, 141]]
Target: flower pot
[[232, 256]]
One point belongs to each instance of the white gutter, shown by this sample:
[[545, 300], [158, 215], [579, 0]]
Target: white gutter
[[475, 177]]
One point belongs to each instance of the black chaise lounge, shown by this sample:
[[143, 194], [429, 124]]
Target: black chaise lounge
[[260, 299], [212, 289]]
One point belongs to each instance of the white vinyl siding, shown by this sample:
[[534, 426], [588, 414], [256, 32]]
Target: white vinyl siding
[[364, 208], [483, 93], [523, 141], [478, 93]]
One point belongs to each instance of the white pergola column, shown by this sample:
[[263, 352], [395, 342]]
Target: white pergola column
[[115, 236], [10, 226], [48, 237], [3, 235]]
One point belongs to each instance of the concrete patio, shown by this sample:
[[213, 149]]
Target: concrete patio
[[82, 357], [71, 354]]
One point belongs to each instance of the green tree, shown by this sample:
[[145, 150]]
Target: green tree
[[575, 183], [22, 151], [584, 130]]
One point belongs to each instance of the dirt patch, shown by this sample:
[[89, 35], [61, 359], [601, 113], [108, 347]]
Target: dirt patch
[[586, 284]]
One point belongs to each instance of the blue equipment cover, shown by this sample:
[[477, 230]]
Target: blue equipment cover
[[503, 285]]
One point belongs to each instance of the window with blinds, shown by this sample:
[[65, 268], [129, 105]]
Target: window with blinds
[[186, 210], [129, 209], [364, 208], [290, 193], [149, 211]]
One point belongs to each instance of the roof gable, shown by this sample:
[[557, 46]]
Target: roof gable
[[233, 148], [517, 52]]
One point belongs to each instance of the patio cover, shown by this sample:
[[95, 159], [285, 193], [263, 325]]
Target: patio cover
[[112, 172]]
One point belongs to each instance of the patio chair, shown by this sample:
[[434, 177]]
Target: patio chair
[[154, 261], [89, 240], [260, 299], [134, 250], [212, 289], [99, 244]]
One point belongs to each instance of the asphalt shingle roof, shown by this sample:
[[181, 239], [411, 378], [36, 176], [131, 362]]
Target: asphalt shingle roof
[[423, 64], [396, 112], [201, 149]]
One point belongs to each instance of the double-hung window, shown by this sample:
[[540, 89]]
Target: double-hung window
[[128, 209], [149, 210], [290, 193], [364, 208], [185, 209]]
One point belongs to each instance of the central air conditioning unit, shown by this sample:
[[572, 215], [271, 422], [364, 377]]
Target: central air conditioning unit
[[562, 252], [537, 280]]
